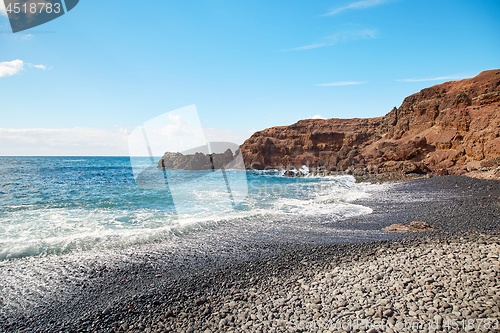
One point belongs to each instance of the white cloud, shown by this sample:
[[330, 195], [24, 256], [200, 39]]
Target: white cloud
[[339, 83], [318, 116], [176, 119], [84, 141], [2, 9], [121, 130], [78, 141], [441, 78], [8, 68], [28, 36], [357, 5], [339, 37]]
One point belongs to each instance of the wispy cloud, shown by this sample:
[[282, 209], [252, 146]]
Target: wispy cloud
[[307, 47], [28, 37], [339, 37], [39, 66], [8, 68], [339, 83], [357, 5], [440, 78]]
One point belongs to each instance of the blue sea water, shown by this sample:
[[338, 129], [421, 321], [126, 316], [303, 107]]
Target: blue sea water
[[63, 204]]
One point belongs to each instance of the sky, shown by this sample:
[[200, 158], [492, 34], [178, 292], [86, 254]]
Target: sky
[[80, 84]]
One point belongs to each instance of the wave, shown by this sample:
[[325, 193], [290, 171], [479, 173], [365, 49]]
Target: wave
[[121, 217]]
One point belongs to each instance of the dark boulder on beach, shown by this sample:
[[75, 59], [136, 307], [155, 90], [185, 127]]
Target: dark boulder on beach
[[448, 129], [414, 226]]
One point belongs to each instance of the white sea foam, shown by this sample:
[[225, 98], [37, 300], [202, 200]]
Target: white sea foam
[[26, 230], [331, 198], [101, 225]]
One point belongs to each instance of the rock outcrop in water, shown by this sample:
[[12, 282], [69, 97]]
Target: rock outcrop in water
[[450, 128], [197, 161]]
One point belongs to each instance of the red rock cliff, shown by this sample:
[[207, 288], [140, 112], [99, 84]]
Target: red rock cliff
[[451, 128]]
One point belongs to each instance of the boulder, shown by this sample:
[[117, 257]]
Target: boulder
[[420, 226], [414, 226]]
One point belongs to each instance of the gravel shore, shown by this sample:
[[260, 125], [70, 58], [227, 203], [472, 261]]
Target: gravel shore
[[445, 280], [427, 284]]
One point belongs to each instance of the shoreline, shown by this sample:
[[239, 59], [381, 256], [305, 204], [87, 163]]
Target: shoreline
[[110, 296], [372, 175], [197, 306]]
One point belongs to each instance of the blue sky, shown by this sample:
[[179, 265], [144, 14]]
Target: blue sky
[[79, 84]]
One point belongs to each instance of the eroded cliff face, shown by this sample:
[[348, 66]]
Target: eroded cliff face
[[451, 128]]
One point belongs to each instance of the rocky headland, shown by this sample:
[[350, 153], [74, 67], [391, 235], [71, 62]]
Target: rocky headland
[[448, 129]]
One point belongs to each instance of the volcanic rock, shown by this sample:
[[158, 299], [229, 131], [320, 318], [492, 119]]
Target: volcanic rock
[[451, 128], [414, 226], [197, 161]]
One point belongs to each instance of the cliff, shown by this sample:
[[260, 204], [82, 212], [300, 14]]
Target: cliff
[[450, 128]]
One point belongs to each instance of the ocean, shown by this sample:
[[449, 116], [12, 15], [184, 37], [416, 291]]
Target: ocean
[[54, 205]]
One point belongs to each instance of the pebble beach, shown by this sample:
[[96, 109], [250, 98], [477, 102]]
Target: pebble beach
[[424, 285], [431, 285], [445, 280]]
